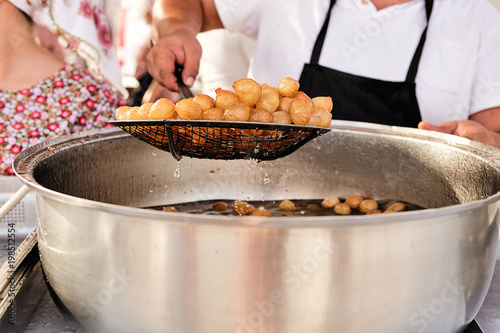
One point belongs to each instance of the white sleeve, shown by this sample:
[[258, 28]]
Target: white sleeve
[[486, 87], [240, 15]]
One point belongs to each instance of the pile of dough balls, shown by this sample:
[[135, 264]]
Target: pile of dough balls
[[366, 206], [250, 101]]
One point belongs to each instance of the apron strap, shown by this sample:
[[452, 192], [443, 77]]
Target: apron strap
[[412, 72]]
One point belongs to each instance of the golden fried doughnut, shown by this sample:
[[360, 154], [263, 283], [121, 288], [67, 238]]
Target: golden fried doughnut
[[206, 102], [354, 200], [300, 111], [261, 116], [261, 211], [342, 209], [282, 117], [285, 103], [248, 90], [288, 87], [162, 109], [367, 206], [132, 114], [324, 101], [314, 120], [220, 206], [237, 112], [397, 207], [144, 109], [320, 117], [330, 201], [243, 208], [287, 206], [267, 88], [189, 109], [121, 111], [269, 101], [224, 99], [213, 114]]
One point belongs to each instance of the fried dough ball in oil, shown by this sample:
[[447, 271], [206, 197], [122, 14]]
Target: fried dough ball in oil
[[162, 109], [170, 209], [330, 201], [213, 114], [261, 116], [248, 90], [373, 212], [220, 206], [206, 102], [397, 207], [285, 103], [242, 208], [287, 206], [282, 117], [189, 109], [300, 111], [367, 206], [261, 211], [324, 101], [224, 99], [288, 87], [342, 209], [237, 112], [354, 201], [121, 112], [269, 101]]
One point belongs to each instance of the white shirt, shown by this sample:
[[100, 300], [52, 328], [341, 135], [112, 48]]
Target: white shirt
[[459, 72]]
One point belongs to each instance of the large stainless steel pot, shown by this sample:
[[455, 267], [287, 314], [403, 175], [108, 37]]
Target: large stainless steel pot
[[118, 268]]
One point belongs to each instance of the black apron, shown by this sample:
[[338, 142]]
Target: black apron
[[360, 98]]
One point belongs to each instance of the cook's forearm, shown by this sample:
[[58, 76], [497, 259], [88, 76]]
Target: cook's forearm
[[174, 15]]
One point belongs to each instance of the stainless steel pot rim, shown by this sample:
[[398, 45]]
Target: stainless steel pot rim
[[36, 153]]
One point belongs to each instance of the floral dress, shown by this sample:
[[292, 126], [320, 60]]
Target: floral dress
[[69, 101]]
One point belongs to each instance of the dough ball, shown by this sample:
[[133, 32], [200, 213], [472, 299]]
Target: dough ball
[[320, 117], [224, 99], [220, 206], [242, 208], [144, 109], [188, 109], [314, 120], [121, 112], [367, 206], [342, 209], [282, 117], [132, 114], [261, 116], [324, 101], [287, 206], [248, 90], [213, 114], [269, 101], [237, 112], [330, 201], [397, 207], [354, 201], [285, 103], [288, 87], [267, 89], [162, 109], [300, 111], [261, 211], [206, 102]]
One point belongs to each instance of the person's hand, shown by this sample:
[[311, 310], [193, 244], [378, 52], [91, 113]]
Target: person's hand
[[465, 128], [181, 47]]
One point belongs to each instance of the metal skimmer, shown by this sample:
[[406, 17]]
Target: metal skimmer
[[221, 139]]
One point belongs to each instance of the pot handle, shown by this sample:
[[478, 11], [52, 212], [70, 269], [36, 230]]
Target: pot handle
[[13, 201]]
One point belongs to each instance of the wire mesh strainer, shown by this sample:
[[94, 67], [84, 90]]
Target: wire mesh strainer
[[221, 139]]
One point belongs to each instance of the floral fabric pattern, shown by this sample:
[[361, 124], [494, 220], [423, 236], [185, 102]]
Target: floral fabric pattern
[[70, 101]]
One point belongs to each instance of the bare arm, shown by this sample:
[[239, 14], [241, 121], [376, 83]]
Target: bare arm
[[483, 126], [175, 26]]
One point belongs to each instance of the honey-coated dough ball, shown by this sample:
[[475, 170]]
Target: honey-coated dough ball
[[261, 116], [342, 209], [287, 206], [354, 200], [288, 87], [224, 99], [242, 208], [121, 112], [330, 201], [188, 109], [282, 117], [324, 101], [300, 111], [213, 114], [206, 102], [162, 109], [269, 101], [367, 206], [397, 207], [285, 103], [261, 211], [248, 90], [237, 112]]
